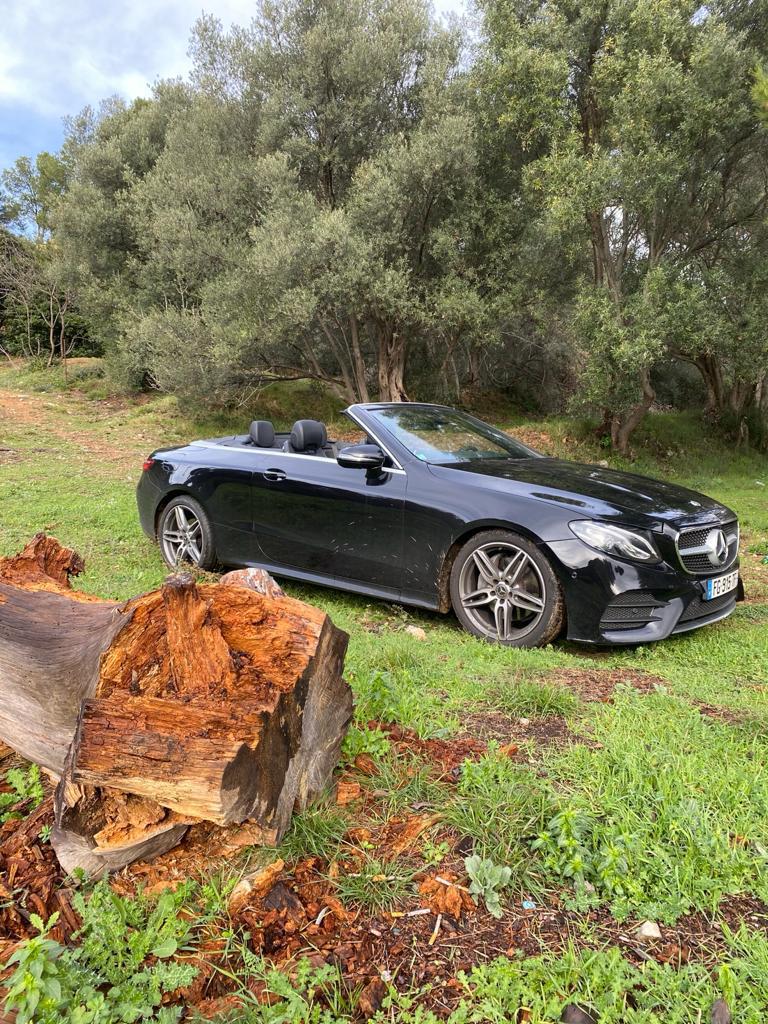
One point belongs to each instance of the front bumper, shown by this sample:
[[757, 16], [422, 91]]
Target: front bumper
[[609, 601]]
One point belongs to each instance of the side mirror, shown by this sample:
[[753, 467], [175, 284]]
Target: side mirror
[[361, 456]]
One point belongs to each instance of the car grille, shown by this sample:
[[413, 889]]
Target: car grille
[[700, 609], [694, 560], [631, 610]]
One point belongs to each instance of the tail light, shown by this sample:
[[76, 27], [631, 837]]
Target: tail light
[[148, 464]]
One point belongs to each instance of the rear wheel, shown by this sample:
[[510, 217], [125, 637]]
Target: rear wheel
[[185, 534], [503, 589]]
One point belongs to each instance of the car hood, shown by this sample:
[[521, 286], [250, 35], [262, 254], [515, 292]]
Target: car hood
[[592, 490]]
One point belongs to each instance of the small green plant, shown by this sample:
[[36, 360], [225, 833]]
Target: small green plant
[[435, 853], [487, 880], [501, 806], [377, 886], [26, 786], [362, 740], [379, 697], [533, 699], [315, 832], [309, 995], [35, 988], [44, 835], [118, 972]]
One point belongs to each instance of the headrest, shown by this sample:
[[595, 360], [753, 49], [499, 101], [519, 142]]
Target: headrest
[[262, 433], [307, 434]]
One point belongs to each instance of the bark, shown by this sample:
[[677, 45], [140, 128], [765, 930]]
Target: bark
[[361, 385], [624, 425], [222, 701], [712, 375], [391, 370]]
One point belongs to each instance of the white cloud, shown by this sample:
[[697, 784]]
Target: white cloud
[[56, 56]]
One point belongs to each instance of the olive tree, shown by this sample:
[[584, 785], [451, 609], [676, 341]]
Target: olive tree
[[640, 142]]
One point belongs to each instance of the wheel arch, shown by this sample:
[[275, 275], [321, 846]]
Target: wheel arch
[[470, 531], [167, 498]]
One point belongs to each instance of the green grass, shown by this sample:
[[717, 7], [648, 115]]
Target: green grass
[[660, 809], [501, 806], [375, 886], [668, 813]]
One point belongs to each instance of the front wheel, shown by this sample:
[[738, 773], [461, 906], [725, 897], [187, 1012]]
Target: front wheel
[[185, 534], [503, 589]]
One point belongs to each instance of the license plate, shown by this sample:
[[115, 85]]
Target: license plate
[[721, 585]]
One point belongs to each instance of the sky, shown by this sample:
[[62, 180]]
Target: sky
[[57, 56]]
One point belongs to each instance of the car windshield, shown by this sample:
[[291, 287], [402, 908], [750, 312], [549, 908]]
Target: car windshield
[[443, 436]]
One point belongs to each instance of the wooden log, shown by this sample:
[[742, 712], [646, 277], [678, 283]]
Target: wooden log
[[51, 640], [224, 702]]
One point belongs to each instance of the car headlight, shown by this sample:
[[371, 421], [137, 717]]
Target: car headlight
[[615, 540]]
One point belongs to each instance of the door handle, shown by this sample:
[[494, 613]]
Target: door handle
[[274, 475]]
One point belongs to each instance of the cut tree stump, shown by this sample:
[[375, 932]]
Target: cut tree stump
[[222, 702]]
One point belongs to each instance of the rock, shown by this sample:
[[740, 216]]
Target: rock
[[416, 632], [524, 721], [720, 1012], [648, 931], [573, 1014]]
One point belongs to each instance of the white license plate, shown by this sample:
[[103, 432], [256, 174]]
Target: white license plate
[[721, 585]]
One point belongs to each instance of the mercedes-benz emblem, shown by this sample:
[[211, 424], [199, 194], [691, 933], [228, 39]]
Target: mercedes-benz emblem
[[716, 547]]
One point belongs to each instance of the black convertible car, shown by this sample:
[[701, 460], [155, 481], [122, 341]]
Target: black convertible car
[[440, 510]]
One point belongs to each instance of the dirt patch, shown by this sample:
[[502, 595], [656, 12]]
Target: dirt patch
[[547, 730], [51, 418], [539, 440], [9, 455], [731, 716], [599, 685], [754, 570], [446, 755]]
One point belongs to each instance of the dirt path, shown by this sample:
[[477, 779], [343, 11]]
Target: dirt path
[[51, 418]]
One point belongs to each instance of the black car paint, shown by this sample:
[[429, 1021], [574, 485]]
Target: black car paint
[[391, 533]]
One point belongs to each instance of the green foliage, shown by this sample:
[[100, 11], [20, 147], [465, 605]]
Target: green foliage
[[434, 853], [313, 995], [760, 92], [613, 990], [363, 740], [315, 832], [487, 879], [529, 698], [375, 885], [119, 971], [500, 805], [26, 788], [668, 814], [629, 132]]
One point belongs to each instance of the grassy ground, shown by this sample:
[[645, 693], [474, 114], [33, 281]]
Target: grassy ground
[[649, 803]]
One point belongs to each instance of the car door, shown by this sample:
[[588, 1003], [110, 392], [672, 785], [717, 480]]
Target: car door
[[314, 516]]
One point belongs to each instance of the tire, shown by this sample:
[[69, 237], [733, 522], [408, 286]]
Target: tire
[[504, 590], [193, 544]]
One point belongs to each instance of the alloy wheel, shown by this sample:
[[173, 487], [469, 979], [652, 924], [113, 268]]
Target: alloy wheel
[[182, 537], [502, 591]]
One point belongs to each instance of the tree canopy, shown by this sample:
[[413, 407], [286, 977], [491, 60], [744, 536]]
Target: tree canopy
[[572, 205]]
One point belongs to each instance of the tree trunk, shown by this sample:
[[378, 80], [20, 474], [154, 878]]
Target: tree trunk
[[712, 375], [214, 701], [361, 385], [624, 425], [391, 365]]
